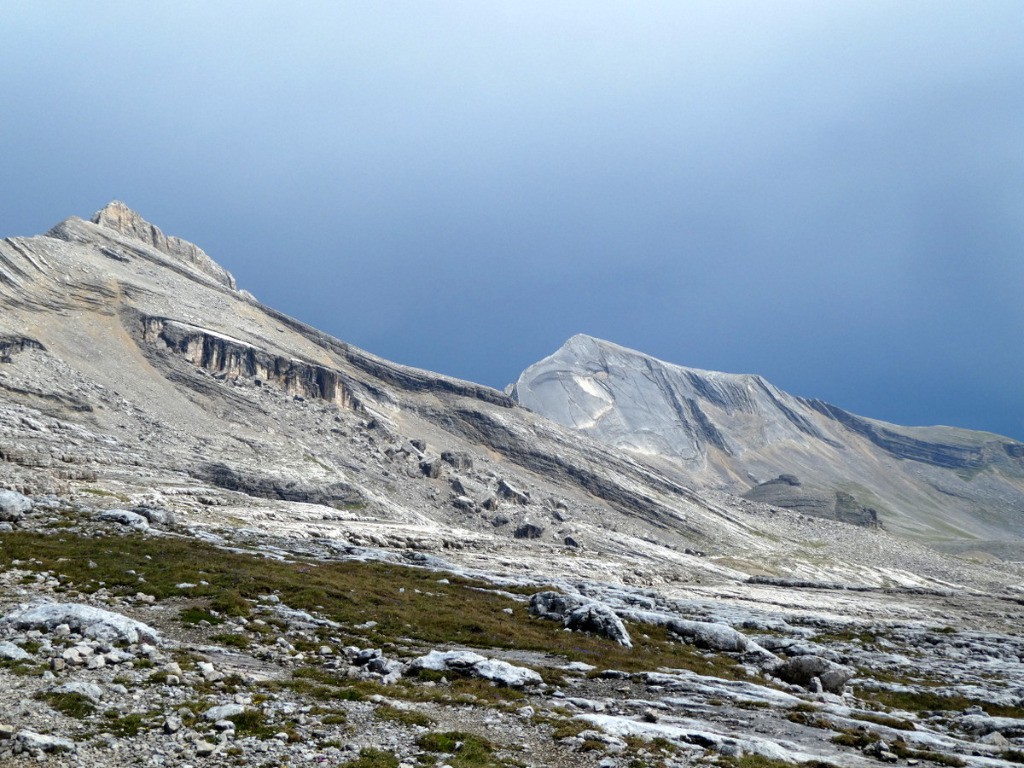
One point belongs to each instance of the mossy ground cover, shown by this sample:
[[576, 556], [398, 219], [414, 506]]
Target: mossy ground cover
[[373, 758], [467, 750], [928, 700], [408, 604]]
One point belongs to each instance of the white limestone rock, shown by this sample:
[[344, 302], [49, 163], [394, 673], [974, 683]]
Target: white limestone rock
[[582, 614], [469, 663], [11, 652], [13, 506], [126, 518], [91, 622]]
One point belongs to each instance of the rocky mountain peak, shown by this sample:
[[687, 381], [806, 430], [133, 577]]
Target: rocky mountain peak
[[122, 219], [738, 432]]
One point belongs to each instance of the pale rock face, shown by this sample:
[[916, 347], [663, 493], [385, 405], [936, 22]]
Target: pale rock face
[[636, 402], [120, 218], [742, 434]]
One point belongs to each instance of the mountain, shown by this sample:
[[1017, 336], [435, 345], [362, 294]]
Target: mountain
[[228, 538], [741, 434]]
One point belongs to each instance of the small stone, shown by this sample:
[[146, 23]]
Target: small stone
[[205, 748], [172, 724]]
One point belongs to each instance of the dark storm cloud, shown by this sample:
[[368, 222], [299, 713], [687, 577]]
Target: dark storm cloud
[[830, 195]]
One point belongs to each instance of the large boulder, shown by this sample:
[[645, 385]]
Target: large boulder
[[706, 634], [581, 614], [126, 518], [85, 619], [711, 635], [13, 506], [803, 670], [473, 664], [30, 741]]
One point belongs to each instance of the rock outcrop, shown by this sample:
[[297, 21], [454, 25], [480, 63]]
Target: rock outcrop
[[119, 217]]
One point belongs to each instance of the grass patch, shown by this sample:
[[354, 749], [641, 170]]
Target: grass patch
[[467, 750], [124, 726], [403, 716], [23, 667], [252, 722], [194, 615], [922, 701], [105, 494], [71, 704], [760, 761], [405, 602], [373, 758], [232, 640], [897, 723]]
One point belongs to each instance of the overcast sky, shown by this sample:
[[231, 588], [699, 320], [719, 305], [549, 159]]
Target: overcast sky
[[830, 194]]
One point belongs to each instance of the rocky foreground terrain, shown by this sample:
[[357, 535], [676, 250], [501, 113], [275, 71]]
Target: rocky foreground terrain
[[229, 539]]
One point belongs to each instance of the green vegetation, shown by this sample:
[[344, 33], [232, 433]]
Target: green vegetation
[[405, 602], [253, 722], [919, 701], [897, 723], [71, 704], [233, 640], [858, 739], [107, 494], [759, 761], [373, 758], [123, 726], [467, 750], [403, 716], [195, 615]]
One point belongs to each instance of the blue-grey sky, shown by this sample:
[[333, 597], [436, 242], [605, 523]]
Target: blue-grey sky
[[830, 194]]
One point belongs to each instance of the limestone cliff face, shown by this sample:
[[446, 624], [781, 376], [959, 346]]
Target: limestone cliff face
[[120, 218], [740, 433], [232, 359]]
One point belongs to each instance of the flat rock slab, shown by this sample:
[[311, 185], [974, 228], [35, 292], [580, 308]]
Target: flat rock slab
[[467, 662], [89, 621]]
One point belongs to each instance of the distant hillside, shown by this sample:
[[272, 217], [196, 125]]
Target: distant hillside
[[740, 433]]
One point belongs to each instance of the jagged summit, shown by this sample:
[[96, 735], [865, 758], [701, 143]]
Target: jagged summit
[[119, 217]]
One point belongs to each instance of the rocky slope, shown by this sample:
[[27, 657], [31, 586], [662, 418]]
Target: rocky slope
[[739, 433], [300, 525]]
